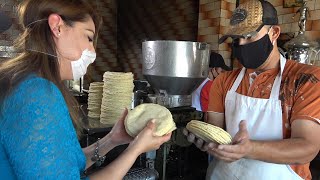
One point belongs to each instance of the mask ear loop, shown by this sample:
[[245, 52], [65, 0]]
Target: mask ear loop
[[268, 34], [235, 42], [33, 50], [39, 20], [269, 29]]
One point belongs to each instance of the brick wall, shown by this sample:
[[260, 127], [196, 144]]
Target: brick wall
[[107, 42], [152, 20], [119, 45], [290, 25], [214, 16]]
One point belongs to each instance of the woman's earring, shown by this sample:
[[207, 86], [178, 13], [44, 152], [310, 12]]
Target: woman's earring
[[59, 34]]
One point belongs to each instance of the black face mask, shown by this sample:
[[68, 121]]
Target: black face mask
[[254, 54]]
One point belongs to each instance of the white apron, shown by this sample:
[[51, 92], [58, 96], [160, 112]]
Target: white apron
[[196, 96], [264, 122]]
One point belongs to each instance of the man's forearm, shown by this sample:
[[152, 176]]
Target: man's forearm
[[216, 119], [287, 151]]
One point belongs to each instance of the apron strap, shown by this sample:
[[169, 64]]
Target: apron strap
[[277, 82], [238, 80]]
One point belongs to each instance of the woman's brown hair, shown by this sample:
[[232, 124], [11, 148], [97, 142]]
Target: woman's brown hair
[[36, 38]]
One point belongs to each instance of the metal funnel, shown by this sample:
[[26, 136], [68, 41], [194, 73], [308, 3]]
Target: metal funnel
[[177, 67]]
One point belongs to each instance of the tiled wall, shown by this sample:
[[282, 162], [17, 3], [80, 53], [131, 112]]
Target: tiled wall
[[152, 20], [119, 45], [289, 24], [107, 42], [214, 16]]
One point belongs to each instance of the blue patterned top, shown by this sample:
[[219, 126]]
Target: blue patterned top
[[38, 140]]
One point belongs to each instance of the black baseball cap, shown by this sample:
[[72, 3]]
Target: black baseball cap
[[249, 17], [216, 60]]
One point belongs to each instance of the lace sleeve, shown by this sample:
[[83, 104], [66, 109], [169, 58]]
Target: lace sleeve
[[38, 135]]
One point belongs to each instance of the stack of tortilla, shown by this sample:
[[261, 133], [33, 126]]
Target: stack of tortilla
[[94, 103], [117, 95]]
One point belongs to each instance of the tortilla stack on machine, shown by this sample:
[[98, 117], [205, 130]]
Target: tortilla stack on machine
[[94, 104], [117, 95]]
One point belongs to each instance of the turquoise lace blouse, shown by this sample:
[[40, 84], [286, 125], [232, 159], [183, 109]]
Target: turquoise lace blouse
[[38, 140]]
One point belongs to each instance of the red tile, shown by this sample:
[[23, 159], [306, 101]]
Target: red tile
[[313, 35], [315, 25]]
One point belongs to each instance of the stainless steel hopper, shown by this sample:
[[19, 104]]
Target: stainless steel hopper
[[175, 68]]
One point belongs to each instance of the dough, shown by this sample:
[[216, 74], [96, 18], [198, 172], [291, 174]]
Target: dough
[[138, 118]]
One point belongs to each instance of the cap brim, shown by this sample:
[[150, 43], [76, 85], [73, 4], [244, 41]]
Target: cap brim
[[225, 37], [239, 32]]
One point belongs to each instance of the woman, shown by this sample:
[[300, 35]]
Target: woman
[[38, 123]]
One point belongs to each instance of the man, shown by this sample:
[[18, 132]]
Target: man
[[200, 97], [271, 106]]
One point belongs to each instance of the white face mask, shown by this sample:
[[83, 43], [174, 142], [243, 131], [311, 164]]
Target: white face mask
[[79, 67]]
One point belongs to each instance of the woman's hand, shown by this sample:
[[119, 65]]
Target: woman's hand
[[146, 140], [118, 133], [116, 137]]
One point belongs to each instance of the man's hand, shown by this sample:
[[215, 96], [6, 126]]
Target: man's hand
[[201, 144], [241, 146]]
